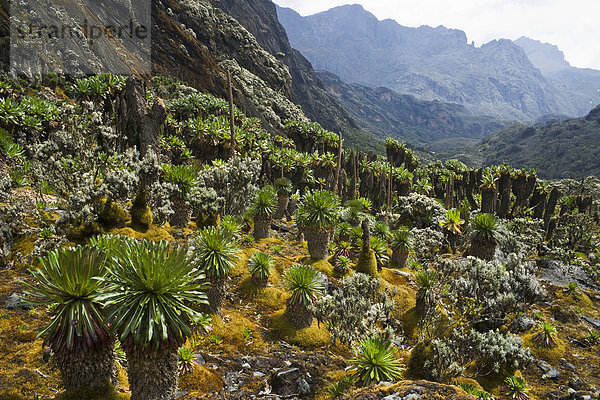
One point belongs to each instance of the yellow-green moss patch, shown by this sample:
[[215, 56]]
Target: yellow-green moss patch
[[269, 297], [240, 269], [233, 328], [322, 266], [393, 278], [154, 232], [314, 336], [410, 321], [550, 354], [201, 380], [112, 214], [24, 245], [102, 392], [367, 263]]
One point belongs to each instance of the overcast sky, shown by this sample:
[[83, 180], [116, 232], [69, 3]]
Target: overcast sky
[[572, 25]]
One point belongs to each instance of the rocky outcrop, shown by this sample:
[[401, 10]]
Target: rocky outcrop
[[580, 85], [194, 34], [260, 18], [197, 43]]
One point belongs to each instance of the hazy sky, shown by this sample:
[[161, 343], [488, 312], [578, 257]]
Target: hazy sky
[[572, 25]]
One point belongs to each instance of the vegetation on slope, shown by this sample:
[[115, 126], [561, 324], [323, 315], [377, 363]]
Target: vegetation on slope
[[440, 318]]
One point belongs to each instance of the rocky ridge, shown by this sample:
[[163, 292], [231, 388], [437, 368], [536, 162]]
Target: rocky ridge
[[496, 79]]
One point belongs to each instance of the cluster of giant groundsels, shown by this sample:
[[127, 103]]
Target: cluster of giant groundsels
[[97, 167]]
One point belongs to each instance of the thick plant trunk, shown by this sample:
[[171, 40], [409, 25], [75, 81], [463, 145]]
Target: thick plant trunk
[[504, 189], [399, 258], [550, 207], [300, 316], [483, 249], [87, 367], [452, 238], [152, 374], [469, 179], [215, 295], [318, 243], [283, 200], [183, 214], [262, 227], [487, 201]]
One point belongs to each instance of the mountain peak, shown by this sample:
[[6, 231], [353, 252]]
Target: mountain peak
[[546, 57]]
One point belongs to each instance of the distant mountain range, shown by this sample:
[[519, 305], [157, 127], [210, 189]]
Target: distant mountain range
[[385, 113], [521, 80], [356, 109]]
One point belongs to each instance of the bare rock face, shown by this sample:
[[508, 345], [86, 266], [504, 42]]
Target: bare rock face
[[260, 18], [214, 43], [496, 79]]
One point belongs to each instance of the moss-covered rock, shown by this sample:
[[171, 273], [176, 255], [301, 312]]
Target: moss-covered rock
[[311, 337], [322, 266], [269, 297], [141, 215], [201, 380], [550, 354], [367, 263], [112, 215]]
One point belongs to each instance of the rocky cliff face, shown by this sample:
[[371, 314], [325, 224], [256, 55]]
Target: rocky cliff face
[[197, 42], [4, 35], [260, 18], [384, 112], [496, 79], [581, 85]]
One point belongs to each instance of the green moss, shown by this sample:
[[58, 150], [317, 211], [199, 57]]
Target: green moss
[[81, 233], [367, 263], [312, 337], [394, 278], [154, 233], [582, 301], [419, 354], [231, 328], [201, 380], [112, 214], [410, 321], [269, 297], [550, 354], [240, 269], [101, 392], [494, 383], [322, 266], [141, 215], [24, 245], [405, 298]]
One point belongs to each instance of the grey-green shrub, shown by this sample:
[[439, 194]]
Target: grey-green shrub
[[419, 211], [357, 308], [486, 352], [234, 183]]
